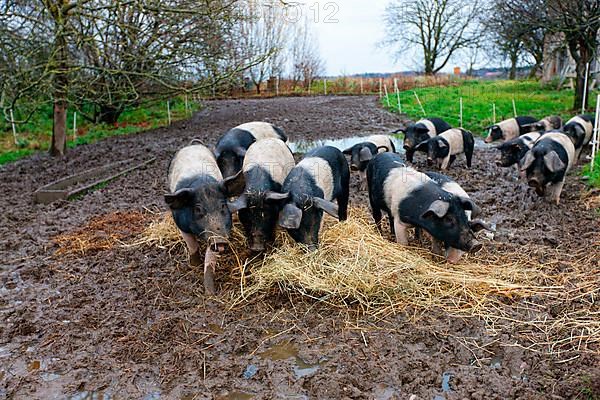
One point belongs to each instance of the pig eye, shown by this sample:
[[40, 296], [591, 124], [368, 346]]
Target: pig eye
[[448, 220]]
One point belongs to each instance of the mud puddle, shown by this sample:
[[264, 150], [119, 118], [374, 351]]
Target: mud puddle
[[303, 146], [287, 350]]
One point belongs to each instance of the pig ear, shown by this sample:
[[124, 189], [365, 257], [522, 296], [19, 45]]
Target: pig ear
[[274, 196], [348, 151], [234, 185], [553, 162], [180, 199], [438, 208], [239, 204], [527, 160], [290, 217], [327, 206], [478, 225], [442, 144], [469, 205], [365, 154]]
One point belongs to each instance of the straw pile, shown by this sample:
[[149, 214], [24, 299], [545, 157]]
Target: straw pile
[[552, 305]]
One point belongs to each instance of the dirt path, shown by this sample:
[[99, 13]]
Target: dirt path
[[122, 323]]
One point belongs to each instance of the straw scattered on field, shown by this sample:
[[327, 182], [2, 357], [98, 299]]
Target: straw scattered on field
[[552, 304]]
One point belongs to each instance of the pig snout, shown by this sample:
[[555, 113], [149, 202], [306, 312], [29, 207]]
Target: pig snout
[[489, 139], [217, 244], [257, 246], [407, 147]]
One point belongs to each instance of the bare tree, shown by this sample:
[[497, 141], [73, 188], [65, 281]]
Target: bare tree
[[306, 62], [102, 56], [439, 28], [264, 31], [576, 22]]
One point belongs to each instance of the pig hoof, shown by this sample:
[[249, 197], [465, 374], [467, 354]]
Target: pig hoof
[[196, 259], [209, 284]]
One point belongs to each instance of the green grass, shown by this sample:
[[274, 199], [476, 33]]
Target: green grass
[[36, 134], [531, 98], [593, 177]]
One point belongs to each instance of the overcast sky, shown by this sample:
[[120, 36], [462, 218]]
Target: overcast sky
[[349, 46]]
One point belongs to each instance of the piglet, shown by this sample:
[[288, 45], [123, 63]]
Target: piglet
[[198, 200], [446, 146], [420, 131], [312, 186], [411, 198]]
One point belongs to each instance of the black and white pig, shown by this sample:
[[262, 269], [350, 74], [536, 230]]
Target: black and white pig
[[420, 131], [198, 202], [550, 123], [548, 162], [449, 185], [509, 129], [232, 146], [444, 147], [580, 129], [411, 198], [320, 178], [361, 153], [266, 165], [512, 151]]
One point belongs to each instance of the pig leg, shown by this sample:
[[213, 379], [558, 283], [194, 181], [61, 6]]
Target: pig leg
[[555, 191], [210, 262], [445, 163], [342, 201], [469, 155], [363, 180], [401, 232], [194, 249], [377, 217], [391, 221], [451, 161]]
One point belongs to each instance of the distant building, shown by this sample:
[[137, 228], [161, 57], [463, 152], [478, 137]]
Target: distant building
[[558, 62]]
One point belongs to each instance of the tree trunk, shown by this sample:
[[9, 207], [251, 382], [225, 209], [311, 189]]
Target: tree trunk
[[580, 70], [534, 70], [514, 59], [59, 129]]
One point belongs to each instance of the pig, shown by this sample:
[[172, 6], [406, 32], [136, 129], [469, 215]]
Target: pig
[[411, 198], [198, 200], [550, 123], [509, 129], [320, 178], [361, 153], [580, 129], [547, 164], [420, 131], [232, 146], [266, 165], [450, 186], [446, 146], [512, 151]]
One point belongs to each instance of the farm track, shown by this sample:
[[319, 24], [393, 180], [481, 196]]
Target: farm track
[[135, 324]]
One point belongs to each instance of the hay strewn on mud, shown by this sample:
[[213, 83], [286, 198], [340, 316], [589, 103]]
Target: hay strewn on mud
[[356, 266]]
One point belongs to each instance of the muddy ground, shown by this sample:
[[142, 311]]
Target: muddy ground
[[126, 323]]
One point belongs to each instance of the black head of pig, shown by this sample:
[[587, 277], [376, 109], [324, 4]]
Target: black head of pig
[[361, 154], [495, 133], [511, 152], [415, 134], [542, 165], [436, 147], [204, 211], [230, 160], [258, 212], [302, 216], [576, 133], [445, 219]]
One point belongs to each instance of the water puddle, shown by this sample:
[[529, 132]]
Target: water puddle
[[446, 376], [237, 395], [303, 146], [287, 350]]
